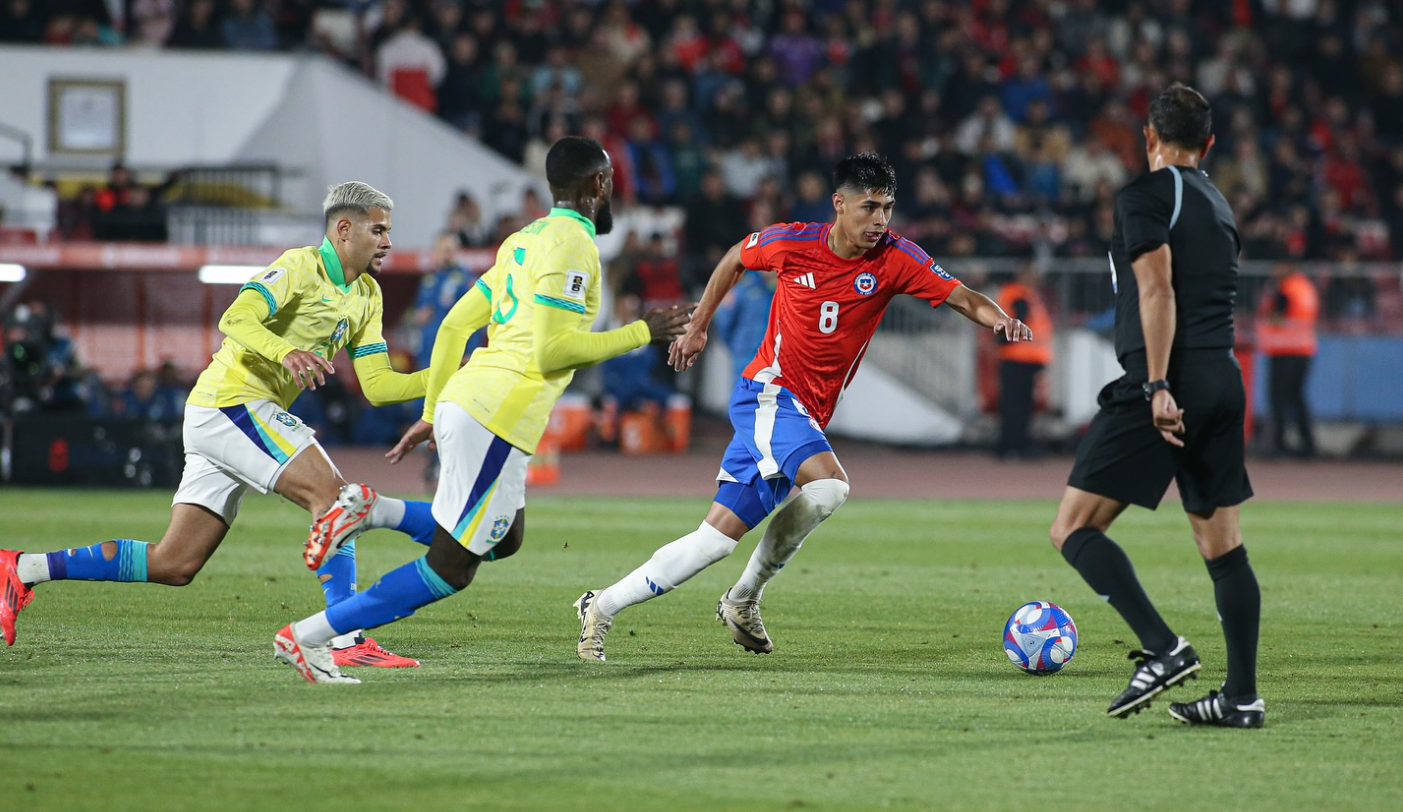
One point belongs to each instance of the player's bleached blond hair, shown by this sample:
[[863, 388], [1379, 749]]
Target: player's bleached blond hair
[[354, 196]]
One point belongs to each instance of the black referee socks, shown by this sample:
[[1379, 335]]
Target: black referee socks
[[1107, 569], [1240, 610]]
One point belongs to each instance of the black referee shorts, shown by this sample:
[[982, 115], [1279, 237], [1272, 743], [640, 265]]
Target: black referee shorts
[[1123, 456]]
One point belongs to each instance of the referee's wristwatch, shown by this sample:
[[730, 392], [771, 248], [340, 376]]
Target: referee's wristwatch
[[1151, 387]]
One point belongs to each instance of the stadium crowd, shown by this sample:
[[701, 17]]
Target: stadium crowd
[[1012, 122]]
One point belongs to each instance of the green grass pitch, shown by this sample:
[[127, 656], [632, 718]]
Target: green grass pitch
[[888, 688]]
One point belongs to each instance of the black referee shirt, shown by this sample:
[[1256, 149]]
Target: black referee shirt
[[1178, 205]]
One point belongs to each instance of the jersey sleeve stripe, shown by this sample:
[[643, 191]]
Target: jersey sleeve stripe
[[1178, 196], [368, 349], [551, 301], [786, 230], [792, 237], [272, 303], [913, 254], [482, 286], [913, 250]]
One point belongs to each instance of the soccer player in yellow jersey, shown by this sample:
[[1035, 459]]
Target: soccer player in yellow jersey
[[282, 331], [538, 302]]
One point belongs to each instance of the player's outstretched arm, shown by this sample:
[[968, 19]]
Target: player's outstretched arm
[[561, 344], [985, 312], [684, 351], [381, 384]]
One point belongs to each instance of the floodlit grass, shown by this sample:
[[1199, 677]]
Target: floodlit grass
[[888, 688]]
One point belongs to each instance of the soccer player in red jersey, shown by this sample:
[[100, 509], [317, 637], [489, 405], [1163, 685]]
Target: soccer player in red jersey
[[835, 280]]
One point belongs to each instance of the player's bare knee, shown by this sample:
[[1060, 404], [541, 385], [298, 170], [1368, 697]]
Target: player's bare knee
[[451, 561], [172, 573], [508, 546]]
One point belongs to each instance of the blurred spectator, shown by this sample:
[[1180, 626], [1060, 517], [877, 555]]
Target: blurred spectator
[[41, 371], [198, 27], [411, 65], [457, 96], [532, 207], [689, 162], [439, 290], [714, 223], [152, 22], [987, 122], [248, 27], [557, 71], [813, 201], [171, 384], [140, 218], [651, 164], [20, 22], [656, 276], [466, 221], [143, 399], [628, 378], [743, 167], [743, 317], [1027, 86], [76, 216], [1090, 164], [1021, 363], [1286, 335], [796, 52], [1120, 133]]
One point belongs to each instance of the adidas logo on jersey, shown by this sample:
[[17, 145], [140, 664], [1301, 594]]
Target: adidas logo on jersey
[[807, 280]]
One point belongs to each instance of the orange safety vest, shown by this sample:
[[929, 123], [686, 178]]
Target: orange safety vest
[[1039, 350], [1291, 333]]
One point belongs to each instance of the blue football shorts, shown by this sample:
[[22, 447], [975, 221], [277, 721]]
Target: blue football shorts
[[774, 434]]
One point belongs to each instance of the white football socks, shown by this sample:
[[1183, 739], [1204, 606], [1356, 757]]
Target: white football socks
[[386, 512], [788, 528], [669, 567], [315, 630], [32, 568]]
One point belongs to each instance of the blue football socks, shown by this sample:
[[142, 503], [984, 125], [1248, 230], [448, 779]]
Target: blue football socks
[[396, 596], [89, 564], [418, 522], [338, 574]]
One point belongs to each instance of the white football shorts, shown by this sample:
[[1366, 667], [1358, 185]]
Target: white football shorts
[[231, 449], [481, 480]]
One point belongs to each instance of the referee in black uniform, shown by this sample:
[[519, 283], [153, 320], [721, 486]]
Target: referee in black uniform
[[1177, 413]]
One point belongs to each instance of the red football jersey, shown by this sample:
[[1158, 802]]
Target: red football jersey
[[826, 308]]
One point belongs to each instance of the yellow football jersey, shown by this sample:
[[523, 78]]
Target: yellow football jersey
[[553, 262], [311, 308]]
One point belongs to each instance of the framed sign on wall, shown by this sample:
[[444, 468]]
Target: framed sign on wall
[[87, 116]]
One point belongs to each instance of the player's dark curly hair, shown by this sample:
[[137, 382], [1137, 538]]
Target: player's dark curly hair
[[573, 160], [1182, 116], [865, 172]]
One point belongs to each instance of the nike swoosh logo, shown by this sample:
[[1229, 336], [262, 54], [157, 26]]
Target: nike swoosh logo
[[326, 300]]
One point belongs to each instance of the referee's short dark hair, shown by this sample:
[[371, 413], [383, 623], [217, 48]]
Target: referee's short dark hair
[[1182, 116], [865, 172], [573, 160]]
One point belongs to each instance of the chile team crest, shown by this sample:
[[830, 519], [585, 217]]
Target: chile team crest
[[865, 284]]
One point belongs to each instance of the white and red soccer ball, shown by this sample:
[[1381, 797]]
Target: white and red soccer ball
[[1040, 637]]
